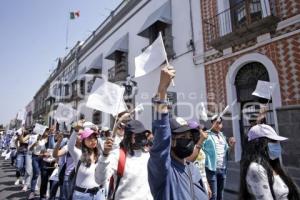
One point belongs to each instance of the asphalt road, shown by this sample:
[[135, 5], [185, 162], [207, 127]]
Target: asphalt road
[[11, 192], [7, 179]]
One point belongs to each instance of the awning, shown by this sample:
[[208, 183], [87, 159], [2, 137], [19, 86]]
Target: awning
[[120, 45], [162, 14], [95, 66], [79, 76]]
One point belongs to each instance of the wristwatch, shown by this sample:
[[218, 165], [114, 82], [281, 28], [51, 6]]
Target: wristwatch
[[156, 100]]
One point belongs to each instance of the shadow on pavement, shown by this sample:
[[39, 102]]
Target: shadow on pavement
[[8, 183]]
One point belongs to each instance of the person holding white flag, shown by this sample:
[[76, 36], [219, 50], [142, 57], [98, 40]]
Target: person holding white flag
[[171, 176], [216, 148]]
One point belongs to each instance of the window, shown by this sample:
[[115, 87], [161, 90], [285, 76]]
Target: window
[[97, 117], [166, 31], [245, 12], [82, 87]]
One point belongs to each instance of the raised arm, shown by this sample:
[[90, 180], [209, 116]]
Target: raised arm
[[107, 163], [73, 150], [58, 151], [160, 159]]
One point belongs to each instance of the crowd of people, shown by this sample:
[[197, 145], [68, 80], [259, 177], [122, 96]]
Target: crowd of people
[[176, 160]]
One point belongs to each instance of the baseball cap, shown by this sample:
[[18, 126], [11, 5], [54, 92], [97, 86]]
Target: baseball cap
[[215, 117], [135, 126], [87, 132], [263, 130], [105, 128], [194, 124], [180, 125]]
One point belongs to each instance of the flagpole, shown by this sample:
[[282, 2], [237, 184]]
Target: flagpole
[[67, 32], [114, 127]]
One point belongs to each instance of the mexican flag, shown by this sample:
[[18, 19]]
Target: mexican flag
[[74, 14]]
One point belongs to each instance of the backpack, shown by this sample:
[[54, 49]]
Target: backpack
[[120, 172]]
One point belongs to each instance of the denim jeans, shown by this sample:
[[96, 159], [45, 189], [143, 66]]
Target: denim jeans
[[87, 196], [36, 171], [67, 189], [20, 163], [216, 180], [28, 168]]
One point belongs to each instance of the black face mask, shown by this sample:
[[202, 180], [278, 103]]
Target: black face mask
[[150, 142], [140, 141], [184, 147]]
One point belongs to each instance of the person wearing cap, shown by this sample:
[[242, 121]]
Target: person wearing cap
[[216, 150], [171, 176], [198, 156], [262, 175], [133, 185], [86, 161]]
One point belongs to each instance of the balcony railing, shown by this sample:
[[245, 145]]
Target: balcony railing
[[242, 22], [119, 72]]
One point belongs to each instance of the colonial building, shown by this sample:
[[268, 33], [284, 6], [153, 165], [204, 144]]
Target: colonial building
[[130, 29], [250, 40], [29, 114]]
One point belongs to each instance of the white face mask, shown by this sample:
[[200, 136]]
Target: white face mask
[[274, 150]]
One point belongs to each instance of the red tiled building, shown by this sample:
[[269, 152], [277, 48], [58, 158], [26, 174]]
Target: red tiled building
[[250, 40]]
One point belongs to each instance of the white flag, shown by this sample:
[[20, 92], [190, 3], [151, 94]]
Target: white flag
[[202, 112], [22, 115], [65, 113], [39, 129], [264, 89], [107, 97], [151, 58]]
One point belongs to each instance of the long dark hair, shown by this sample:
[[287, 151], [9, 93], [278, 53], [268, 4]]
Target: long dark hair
[[126, 144], [86, 154], [257, 151]]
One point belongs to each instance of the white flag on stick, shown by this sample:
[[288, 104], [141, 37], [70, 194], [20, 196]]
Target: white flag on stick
[[264, 89], [39, 129], [21, 115], [202, 112], [65, 113], [151, 58], [107, 97]]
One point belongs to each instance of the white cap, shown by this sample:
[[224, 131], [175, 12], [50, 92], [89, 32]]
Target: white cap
[[88, 125], [104, 128], [263, 130]]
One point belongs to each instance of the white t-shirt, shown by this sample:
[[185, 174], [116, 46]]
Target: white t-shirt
[[134, 184], [39, 147], [258, 184], [85, 175], [12, 143], [220, 150]]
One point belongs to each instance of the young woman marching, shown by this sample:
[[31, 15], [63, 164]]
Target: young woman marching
[[85, 160]]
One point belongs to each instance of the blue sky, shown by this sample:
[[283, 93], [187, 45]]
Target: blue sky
[[32, 36]]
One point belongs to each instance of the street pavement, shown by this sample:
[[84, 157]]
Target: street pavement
[[7, 179], [11, 192]]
